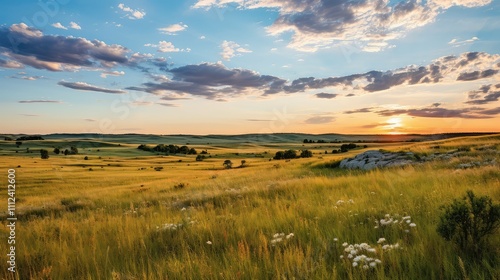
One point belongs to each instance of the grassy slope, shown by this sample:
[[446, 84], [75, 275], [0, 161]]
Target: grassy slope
[[99, 224]]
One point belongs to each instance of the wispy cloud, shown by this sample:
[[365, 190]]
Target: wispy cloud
[[231, 49], [320, 120], [173, 29], [165, 47], [40, 101], [105, 74], [88, 87], [326, 95], [131, 13]]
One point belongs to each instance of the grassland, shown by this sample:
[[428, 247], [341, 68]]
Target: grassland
[[114, 216]]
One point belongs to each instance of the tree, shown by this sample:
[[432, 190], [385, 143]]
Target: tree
[[18, 143], [200, 157], [469, 221], [66, 152], [57, 151], [73, 150], [86, 158], [192, 151], [306, 154], [289, 154], [243, 162], [228, 164], [44, 154], [279, 155]]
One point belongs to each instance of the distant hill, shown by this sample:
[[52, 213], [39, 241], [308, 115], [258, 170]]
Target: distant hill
[[246, 138]]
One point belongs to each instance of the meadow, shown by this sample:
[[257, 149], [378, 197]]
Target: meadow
[[129, 214]]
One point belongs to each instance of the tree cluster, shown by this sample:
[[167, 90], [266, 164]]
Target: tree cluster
[[29, 137], [168, 149], [291, 154]]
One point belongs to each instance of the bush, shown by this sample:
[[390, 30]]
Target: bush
[[200, 157], [44, 154], [306, 154], [468, 222], [228, 164]]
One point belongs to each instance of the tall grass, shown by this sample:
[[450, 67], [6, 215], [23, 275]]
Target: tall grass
[[127, 223]]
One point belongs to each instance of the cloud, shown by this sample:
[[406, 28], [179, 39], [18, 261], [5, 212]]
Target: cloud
[[164, 46], [326, 95], [131, 13], [434, 112], [370, 24], [202, 37], [357, 111], [173, 29], [105, 74], [30, 115], [212, 81], [449, 68], [319, 120], [471, 76], [10, 64], [90, 120], [59, 25], [74, 25], [25, 77], [40, 101], [29, 46], [486, 94], [456, 43], [88, 87], [231, 49]]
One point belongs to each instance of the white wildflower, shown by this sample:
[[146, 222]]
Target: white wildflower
[[373, 264], [290, 236], [354, 264], [365, 266], [381, 240], [209, 242], [413, 225]]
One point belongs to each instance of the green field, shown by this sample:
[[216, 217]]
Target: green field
[[125, 213]]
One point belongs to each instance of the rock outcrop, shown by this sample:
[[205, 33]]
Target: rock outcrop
[[377, 159]]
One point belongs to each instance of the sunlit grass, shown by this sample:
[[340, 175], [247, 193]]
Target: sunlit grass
[[124, 222]]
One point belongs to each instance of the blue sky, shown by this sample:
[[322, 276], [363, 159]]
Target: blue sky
[[249, 66]]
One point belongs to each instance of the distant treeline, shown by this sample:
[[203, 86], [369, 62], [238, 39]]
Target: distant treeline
[[24, 138], [168, 149], [291, 154]]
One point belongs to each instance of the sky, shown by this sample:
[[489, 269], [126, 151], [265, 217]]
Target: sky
[[249, 66]]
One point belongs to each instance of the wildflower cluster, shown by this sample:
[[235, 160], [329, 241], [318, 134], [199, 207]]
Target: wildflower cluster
[[168, 227], [342, 202], [387, 247], [279, 237], [405, 222], [360, 255]]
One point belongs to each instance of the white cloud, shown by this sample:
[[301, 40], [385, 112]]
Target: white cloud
[[112, 73], [173, 29], [131, 13], [59, 25], [164, 46], [454, 42], [320, 24], [231, 49], [74, 25], [203, 37]]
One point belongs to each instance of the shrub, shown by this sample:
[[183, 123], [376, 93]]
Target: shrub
[[228, 164], [44, 154], [57, 151], [200, 157], [306, 154], [469, 221]]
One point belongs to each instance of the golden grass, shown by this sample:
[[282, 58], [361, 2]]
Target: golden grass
[[113, 222]]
